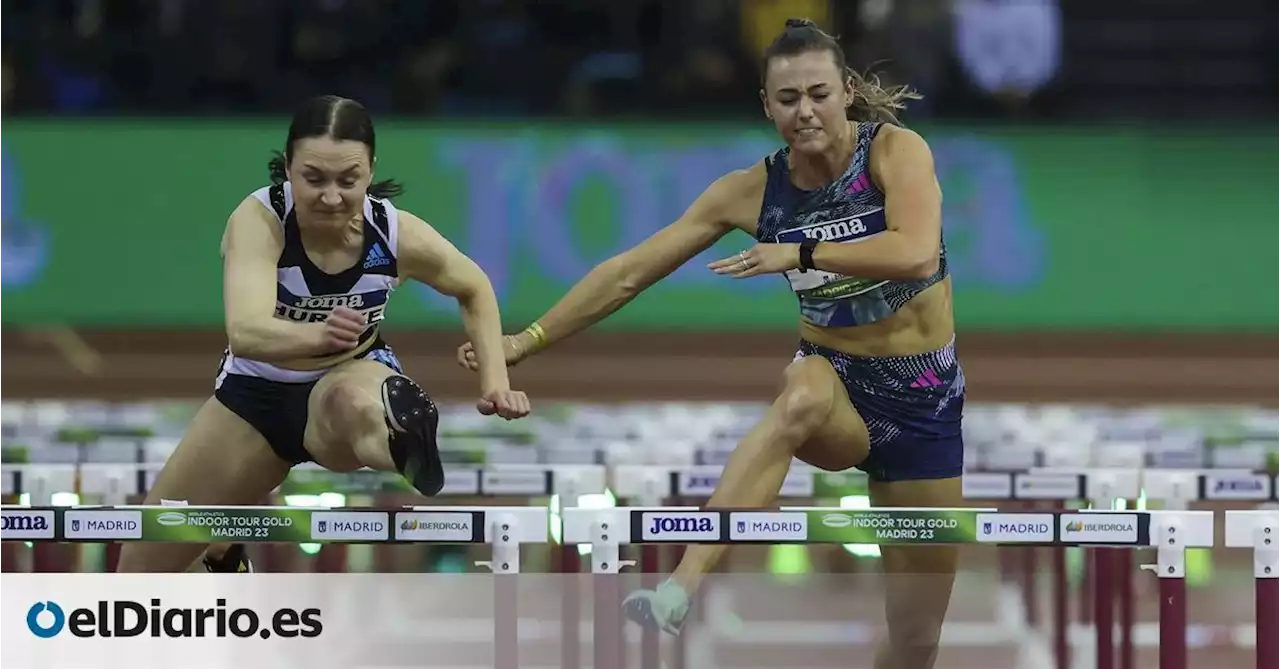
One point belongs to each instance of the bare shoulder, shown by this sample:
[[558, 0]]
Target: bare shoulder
[[414, 229], [408, 218], [251, 223], [419, 243], [897, 143], [736, 197]]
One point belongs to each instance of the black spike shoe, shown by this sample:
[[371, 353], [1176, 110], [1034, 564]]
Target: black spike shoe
[[234, 561], [412, 419]]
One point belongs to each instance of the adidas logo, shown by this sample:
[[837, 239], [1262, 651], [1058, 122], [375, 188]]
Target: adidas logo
[[927, 380], [860, 184], [376, 258]]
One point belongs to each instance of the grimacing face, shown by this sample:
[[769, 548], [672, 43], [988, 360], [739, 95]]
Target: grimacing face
[[806, 96], [329, 178]]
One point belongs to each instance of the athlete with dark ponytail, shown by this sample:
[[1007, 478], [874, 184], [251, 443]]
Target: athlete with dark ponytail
[[309, 263]]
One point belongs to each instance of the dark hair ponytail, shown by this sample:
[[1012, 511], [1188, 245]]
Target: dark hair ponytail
[[277, 167], [341, 119], [871, 100], [386, 189]]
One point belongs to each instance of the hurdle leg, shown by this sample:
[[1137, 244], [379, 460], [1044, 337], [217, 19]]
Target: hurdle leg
[[1171, 569], [505, 565], [1061, 617], [1027, 573], [679, 644], [608, 641], [568, 565], [1266, 555], [1084, 603], [1125, 593], [651, 567], [1104, 572]]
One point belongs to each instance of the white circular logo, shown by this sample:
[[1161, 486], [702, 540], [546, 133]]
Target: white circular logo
[[171, 519], [837, 520]]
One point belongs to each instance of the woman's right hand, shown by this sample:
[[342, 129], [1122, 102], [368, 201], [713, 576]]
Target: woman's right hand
[[342, 329], [514, 348]]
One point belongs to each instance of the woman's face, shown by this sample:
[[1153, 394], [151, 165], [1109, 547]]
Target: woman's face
[[329, 179], [806, 96]]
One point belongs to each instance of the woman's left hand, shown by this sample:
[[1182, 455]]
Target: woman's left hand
[[759, 259]]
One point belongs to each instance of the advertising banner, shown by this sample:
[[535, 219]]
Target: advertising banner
[[118, 224]]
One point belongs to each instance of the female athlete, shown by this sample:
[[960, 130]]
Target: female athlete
[[309, 263], [850, 213]]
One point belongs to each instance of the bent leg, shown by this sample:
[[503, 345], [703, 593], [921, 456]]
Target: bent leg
[[365, 414], [811, 419], [220, 460], [919, 578]]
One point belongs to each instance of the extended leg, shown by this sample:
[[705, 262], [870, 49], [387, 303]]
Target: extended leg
[[919, 578], [812, 417], [220, 460]]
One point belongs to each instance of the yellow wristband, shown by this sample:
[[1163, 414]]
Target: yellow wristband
[[539, 335]]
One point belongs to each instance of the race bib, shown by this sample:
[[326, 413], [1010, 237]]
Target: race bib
[[822, 284]]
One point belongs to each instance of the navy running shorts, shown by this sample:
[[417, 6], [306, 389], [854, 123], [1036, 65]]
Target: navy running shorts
[[912, 407]]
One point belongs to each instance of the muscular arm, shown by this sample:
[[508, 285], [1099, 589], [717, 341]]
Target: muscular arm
[[902, 167], [618, 280], [426, 256], [251, 248]]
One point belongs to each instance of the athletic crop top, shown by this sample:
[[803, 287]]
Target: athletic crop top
[[305, 294], [847, 211]]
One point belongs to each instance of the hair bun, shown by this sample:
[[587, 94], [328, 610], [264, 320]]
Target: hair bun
[[801, 23]]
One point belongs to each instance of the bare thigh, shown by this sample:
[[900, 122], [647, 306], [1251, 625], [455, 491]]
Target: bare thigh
[[919, 578], [841, 440], [346, 421], [220, 460]]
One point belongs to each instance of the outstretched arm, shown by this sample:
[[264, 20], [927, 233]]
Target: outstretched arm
[[618, 280], [426, 256]]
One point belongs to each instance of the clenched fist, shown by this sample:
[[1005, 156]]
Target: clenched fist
[[510, 404], [342, 329]]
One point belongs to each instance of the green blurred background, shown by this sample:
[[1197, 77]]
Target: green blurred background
[[1151, 228]]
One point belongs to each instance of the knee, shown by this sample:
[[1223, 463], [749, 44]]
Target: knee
[[803, 409], [348, 411]]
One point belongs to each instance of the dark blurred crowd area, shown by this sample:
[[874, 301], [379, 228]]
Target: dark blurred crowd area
[[653, 59]]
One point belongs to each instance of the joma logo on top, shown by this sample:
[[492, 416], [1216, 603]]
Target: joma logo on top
[[836, 230]]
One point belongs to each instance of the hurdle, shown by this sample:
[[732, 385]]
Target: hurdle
[[1169, 532], [118, 483], [1109, 573], [1260, 530], [503, 528], [1111, 567], [571, 480]]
